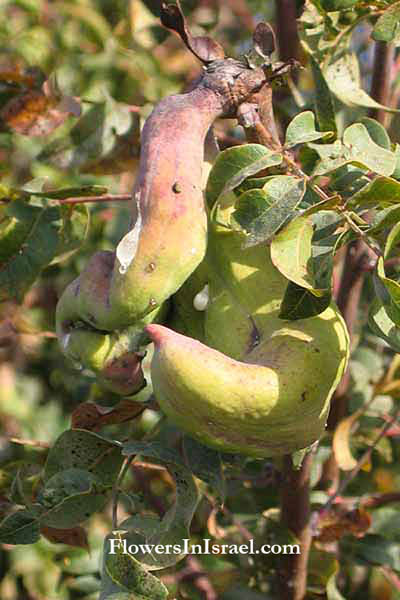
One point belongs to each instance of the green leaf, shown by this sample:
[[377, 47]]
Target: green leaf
[[365, 151], [28, 244], [383, 326], [73, 230], [124, 578], [372, 549], [299, 303], [206, 464], [357, 148], [254, 202], [80, 449], [291, 252], [90, 18], [386, 522], [324, 107], [93, 137], [392, 241], [387, 27], [396, 172], [382, 192], [388, 291], [343, 77], [333, 5], [377, 132], [154, 450], [323, 569], [84, 190], [330, 204], [234, 165], [332, 156], [173, 528], [71, 497], [20, 527], [348, 180], [284, 195], [301, 129], [252, 183], [332, 593]]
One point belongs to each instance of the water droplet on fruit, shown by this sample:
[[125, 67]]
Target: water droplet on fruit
[[201, 300]]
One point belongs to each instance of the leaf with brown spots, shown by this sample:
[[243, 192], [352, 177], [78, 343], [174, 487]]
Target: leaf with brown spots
[[76, 536]]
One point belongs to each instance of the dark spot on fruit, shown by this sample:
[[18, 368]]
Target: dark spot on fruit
[[150, 267], [303, 396], [176, 188]]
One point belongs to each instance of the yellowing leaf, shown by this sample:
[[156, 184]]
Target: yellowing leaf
[[341, 442]]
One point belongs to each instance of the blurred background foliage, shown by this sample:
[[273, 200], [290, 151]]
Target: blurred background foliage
[[77, 80]]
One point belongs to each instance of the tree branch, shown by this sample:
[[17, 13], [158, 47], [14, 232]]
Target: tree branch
[[382, 79], [295, 514], [103, 198]]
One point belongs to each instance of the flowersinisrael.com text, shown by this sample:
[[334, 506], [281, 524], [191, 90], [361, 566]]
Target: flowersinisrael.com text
[[118, 545]]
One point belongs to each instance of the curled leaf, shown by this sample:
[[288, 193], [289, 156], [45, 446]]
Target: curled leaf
[[203, 47], [264, 40], [341, 442]]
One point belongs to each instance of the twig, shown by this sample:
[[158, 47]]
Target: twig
[[360, 233], [194, 571], [201, 581], [103, 198], [378, 500], [237, 522]]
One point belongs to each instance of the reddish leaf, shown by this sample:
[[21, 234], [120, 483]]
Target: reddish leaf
[[264, 39], [93, 417], [36, 113], [76, 536], [337, 522]]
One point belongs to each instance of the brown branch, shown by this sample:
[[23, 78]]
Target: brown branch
[[378, 500], [382, 79], [202, 582], [103, 198], [295, 514], [286, 26], [194, 572]]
